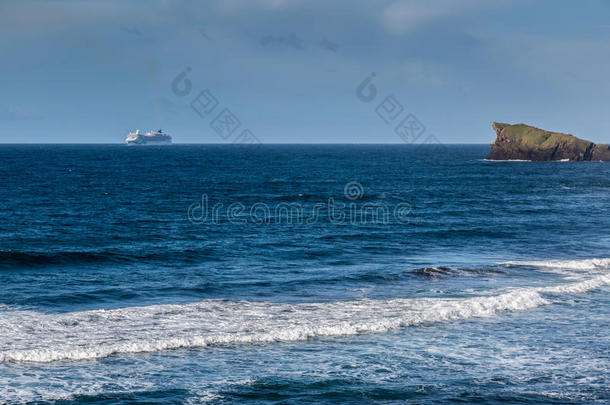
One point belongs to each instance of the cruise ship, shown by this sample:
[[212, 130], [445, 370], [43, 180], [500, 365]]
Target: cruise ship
[[148, 138]]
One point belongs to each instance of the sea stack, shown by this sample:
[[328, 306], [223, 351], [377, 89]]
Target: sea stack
[[524, 142]]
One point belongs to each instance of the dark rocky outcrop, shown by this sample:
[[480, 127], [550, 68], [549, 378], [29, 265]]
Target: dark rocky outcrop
[[523, 142]]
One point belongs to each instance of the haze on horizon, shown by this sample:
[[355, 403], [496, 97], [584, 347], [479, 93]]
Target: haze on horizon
[[288, 69]]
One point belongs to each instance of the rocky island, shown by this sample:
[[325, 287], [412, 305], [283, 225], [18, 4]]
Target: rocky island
[[524, 142]]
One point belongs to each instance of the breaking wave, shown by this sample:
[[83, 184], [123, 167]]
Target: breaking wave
[[585, 264], [449, 271], [30, 336]]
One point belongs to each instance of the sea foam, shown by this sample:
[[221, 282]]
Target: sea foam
[[30, 336], [585, 264]]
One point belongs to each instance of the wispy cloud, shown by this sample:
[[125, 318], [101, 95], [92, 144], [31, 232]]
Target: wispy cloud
[[36, 16], [132, 30], [289, 41], [423, 74], [136, 34], [403, 16], [568, 64], [329, 46], [18, 113], [204, 33]]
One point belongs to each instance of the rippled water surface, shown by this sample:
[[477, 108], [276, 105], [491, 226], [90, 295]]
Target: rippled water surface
[[327, 273]]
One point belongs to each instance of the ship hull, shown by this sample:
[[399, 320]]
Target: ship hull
[[148, 143]]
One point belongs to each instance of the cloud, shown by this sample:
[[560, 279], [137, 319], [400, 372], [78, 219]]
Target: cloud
[[132, 30], [204, 33], [423, 74], [571, 65], [403, 16], [289, 41], [329, 46], [136, 34], [35, 17], [238, 6], [17, 113]]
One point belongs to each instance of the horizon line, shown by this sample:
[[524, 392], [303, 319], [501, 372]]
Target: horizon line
[[262, 144]]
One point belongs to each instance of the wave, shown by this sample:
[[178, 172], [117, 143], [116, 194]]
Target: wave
[[449, 271], [10, 259], [31, 336], [585, 264], [18, 259], [522, 160], [506, 160]]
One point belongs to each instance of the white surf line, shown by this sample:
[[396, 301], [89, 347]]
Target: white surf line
[[29, 336], [585, 264]]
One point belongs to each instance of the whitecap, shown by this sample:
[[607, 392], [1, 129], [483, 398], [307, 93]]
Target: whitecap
[[584, 264], [30, 336]]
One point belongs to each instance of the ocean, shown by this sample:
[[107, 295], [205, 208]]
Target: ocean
[[286, 274]]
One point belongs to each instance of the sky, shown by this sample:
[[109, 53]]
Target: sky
[[292, 71]]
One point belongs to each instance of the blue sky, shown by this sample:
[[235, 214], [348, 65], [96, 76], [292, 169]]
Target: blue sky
[[90, 71]]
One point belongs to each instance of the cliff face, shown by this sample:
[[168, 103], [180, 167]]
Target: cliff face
[[523, 142]]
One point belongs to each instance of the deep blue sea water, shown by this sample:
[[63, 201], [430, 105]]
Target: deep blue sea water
[[301, 274]]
